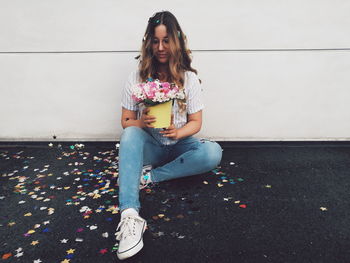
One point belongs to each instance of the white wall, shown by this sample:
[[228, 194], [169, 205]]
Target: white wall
[[271, 70]]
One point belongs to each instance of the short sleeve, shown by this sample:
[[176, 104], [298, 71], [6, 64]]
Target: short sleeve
[[127, 101], [194, 94]]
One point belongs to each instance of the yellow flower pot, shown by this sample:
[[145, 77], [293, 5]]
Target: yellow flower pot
[[162, 112]]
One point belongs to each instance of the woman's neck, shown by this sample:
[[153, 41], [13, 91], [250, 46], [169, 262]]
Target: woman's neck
[[163, 68], [163, 72]]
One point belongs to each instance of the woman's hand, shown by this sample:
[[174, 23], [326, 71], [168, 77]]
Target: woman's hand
[[146, 119], [171, 131]]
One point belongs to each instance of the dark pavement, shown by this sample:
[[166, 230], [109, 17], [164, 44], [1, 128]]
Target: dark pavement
[[268, 202]]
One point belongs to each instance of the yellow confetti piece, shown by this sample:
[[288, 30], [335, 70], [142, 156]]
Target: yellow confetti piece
[[70, 251], [37, 226], [161, 215], [96, 196], [66, 187], [31, 231], [220, 185], [50, 175], [28, 214], [31, 193], [65, 261], [34, 242], [268, 186], [237, 202], [11, 223]]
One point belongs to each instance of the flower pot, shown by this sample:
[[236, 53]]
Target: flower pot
[[162, 112]]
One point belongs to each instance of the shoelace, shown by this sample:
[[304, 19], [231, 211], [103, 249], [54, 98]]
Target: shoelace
[[145, 182], [127, 227]]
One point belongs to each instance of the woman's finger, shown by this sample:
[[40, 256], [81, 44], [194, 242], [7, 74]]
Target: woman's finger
[[169, 135]]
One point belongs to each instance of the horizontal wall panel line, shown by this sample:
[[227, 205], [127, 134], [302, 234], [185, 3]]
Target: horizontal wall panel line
[[193, 50]]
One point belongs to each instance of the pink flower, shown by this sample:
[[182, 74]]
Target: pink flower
[[166, 85]]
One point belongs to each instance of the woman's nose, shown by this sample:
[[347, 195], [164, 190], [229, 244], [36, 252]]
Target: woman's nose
[[160, 47]]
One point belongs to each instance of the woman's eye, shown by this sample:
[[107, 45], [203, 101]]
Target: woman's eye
[[166, 41]]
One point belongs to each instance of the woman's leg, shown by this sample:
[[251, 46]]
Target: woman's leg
[[192, 157], [137, 148]]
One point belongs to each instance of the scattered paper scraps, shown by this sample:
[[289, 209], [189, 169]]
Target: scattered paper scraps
[[85, 188]]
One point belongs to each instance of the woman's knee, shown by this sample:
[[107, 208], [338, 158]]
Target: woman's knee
[[212, 153], [131, 134]]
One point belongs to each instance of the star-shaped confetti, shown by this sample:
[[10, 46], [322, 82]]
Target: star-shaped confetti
[[34, 243], [70, 251], [64, 241]]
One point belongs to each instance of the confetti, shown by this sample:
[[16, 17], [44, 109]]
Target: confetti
[[19, 254], [6, 256], [103, 251], [34, 243], [70, 251]]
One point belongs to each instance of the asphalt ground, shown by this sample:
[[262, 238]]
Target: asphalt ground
[[267, 202]]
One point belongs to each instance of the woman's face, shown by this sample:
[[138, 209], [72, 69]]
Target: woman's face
[[160, 44]]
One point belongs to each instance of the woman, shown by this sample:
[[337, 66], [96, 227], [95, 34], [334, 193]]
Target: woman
[[169, 153]]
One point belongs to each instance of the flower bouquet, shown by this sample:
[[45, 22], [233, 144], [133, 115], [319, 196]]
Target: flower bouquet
[[158, 96]]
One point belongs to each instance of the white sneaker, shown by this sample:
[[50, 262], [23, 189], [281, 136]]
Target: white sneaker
[[145, 179], [130, 236]]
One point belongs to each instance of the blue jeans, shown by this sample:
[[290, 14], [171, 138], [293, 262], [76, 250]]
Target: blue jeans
[[188, 156]]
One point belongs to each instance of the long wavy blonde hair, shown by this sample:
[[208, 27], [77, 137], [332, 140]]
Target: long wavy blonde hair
[[180, 56]]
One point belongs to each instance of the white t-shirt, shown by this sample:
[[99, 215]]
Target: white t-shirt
[[194, 103]]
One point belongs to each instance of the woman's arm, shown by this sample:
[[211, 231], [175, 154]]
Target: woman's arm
[[129, 118], [193, 125]]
